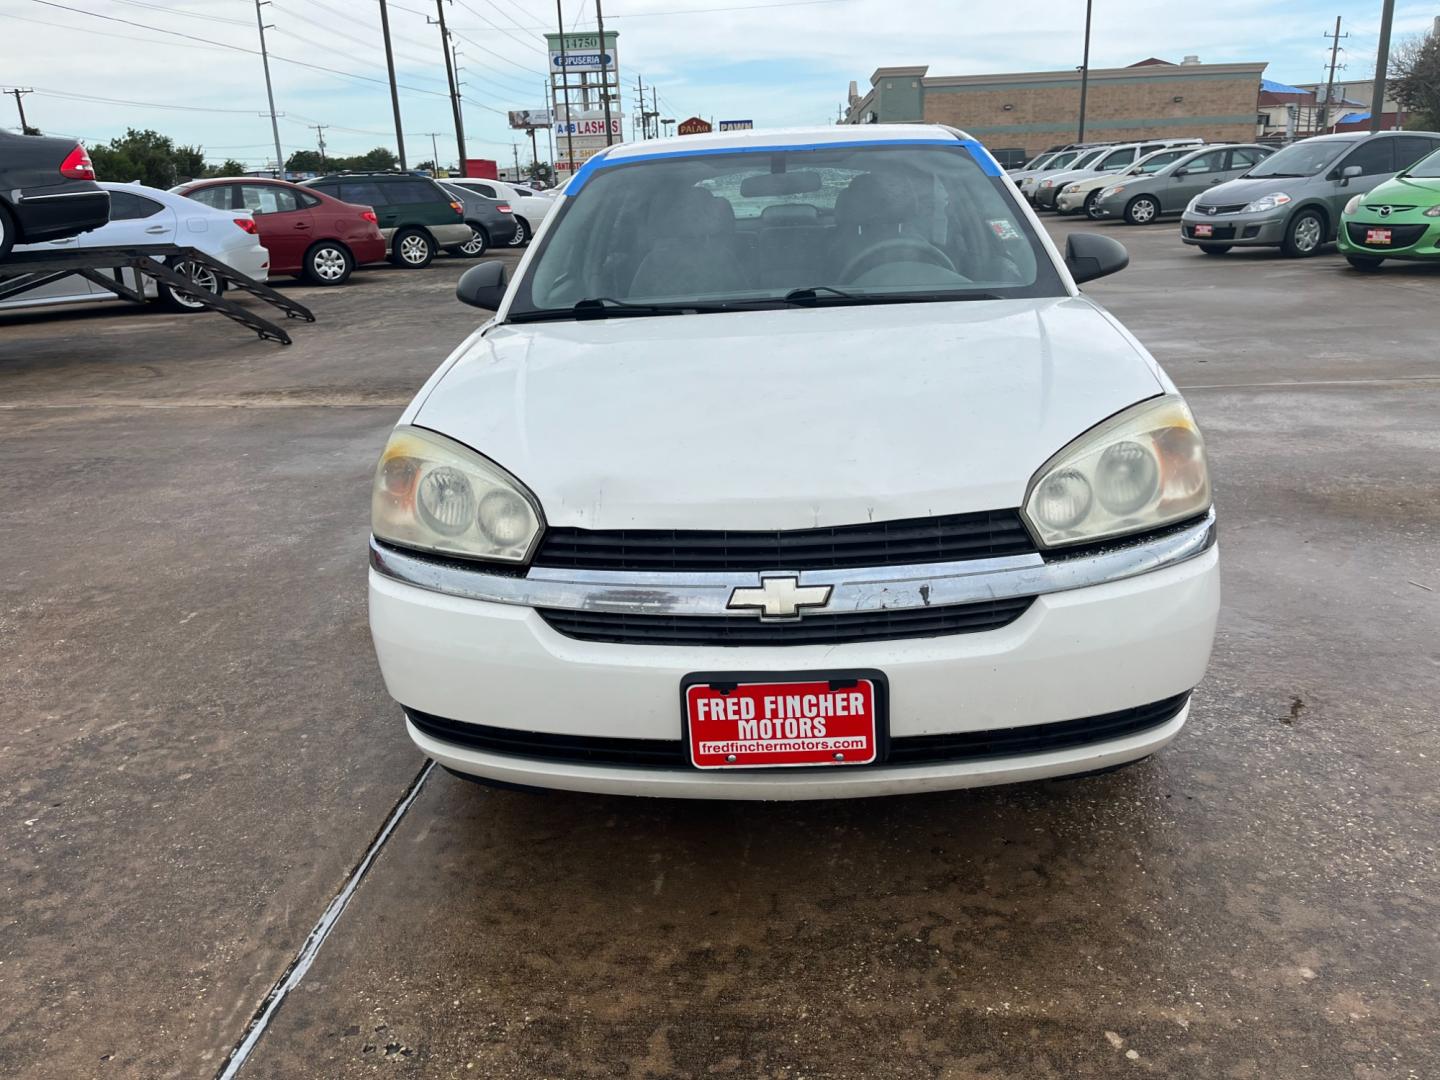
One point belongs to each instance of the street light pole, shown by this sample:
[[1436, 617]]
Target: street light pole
[[1382, 62], [269, 91], [1085, 72]]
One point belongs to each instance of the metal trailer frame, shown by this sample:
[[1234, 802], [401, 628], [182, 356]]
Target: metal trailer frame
[[24, 271]]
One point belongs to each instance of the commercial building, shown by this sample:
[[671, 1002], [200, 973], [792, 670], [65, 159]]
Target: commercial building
[[1032, 110]]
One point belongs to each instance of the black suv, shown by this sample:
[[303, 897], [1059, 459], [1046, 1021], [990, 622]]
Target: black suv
[[417, 216]]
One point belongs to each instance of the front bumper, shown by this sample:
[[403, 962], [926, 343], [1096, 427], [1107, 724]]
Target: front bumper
[[1426, 244], [1077, 652], [1239, 230], [1044, 197], [1070, 202]]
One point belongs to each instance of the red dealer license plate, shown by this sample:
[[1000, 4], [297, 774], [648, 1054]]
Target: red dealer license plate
[[773, 721], [1204, 230], [1377, 237]]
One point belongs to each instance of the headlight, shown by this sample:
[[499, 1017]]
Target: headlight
[[1434, 211], [1137, 471], [1353, 204], [1070, 189], [1190, 206], [433, 493], [1111, 192], [1272, 201], [1047, 183]]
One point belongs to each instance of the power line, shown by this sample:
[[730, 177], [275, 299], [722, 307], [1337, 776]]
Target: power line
[[188, 14]]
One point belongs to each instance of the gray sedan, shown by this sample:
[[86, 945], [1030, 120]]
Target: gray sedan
[[1292, 200], [1139, 200]]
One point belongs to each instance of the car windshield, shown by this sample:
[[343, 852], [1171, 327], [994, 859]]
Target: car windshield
[[1063, 161], [777, 227], [1038, 162], [1427, 168], [1302, 159]]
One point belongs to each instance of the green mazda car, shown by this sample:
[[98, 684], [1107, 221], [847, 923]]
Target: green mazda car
[[1400, 219]]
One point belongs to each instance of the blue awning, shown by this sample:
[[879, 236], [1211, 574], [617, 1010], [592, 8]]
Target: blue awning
[[1353, 118]]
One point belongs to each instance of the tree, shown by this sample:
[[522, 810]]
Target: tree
[[1415, 78], [427, 166], [305, 161], [147, 157], [229, 167], [377, 160], [541, 170]]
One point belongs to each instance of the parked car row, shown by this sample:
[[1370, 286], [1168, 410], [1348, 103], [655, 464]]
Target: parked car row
[[319, 230], [1375, 195]]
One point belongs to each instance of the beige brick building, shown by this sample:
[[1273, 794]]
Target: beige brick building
[[1034, 110]]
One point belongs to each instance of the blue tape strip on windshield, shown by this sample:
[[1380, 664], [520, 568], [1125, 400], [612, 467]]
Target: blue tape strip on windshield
[[982, 157]]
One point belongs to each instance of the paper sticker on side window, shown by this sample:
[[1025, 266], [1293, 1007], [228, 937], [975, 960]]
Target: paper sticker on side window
[[1005, 229]]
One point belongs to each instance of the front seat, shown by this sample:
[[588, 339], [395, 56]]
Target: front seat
[[693, 253], [872, 208]]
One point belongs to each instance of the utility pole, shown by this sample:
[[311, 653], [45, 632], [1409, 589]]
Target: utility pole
[[604, 72], [515, 149], [1382, 62], [454, 84], [269, 91], [17, 93], [1330, 82], [434, 150], [565, 89], [319, 130], [550, 128], [640, 108], [394, 92], [654, 108], [1085, 72]]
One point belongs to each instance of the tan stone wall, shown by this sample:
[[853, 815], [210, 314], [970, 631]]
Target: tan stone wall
[[1127, 111]]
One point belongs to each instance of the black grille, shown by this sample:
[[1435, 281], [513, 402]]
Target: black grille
[[885, 543], [809, 630], [1401, 236], [910, 750]]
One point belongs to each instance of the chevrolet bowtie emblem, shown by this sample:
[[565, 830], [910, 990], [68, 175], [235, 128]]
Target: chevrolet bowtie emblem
[[780, 597]]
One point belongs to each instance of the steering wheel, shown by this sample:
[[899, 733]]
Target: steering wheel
[[896, 249]]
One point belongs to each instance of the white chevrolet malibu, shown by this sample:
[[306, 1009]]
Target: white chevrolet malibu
[[793, 465]]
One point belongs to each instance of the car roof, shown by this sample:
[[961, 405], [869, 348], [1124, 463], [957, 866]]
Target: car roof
[[839, 134]]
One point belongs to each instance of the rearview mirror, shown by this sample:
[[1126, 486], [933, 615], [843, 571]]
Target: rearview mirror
[[1089, 256], [483, 285]]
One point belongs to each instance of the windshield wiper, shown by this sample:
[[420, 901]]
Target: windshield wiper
[[811, 297], [604, 307]]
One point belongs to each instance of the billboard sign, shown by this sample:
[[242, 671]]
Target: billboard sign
[[530, 118], [737, 125], [583, 52], [582, 155], [588, 126], [693, 126]]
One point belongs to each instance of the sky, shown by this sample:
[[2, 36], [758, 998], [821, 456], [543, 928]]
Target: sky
[[191, 69]]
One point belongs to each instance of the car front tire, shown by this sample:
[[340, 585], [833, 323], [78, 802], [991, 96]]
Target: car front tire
[[1305, 235], [412, 249], [1141, 210], [522, 232], [328, 263], [1092, 202], [7, 232]]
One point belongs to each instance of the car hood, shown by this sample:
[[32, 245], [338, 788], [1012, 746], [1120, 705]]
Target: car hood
[[1406, 190], [788, 419], [1244, 191]]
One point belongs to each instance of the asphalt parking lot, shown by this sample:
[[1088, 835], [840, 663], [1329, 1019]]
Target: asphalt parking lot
[[198, 751]]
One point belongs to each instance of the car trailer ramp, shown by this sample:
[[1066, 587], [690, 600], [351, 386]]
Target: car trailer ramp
[[24, 271]]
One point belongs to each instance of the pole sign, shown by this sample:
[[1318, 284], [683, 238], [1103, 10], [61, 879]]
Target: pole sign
[[525, 119], [693, 126], [737, 125], [594, 125], [582, 52]]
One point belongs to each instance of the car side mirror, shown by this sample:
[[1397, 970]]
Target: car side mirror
[[483, 285], [1350, 172], [1089, 256], [1182, 172]]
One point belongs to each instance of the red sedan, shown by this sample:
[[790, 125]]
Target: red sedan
[[307, 233]]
